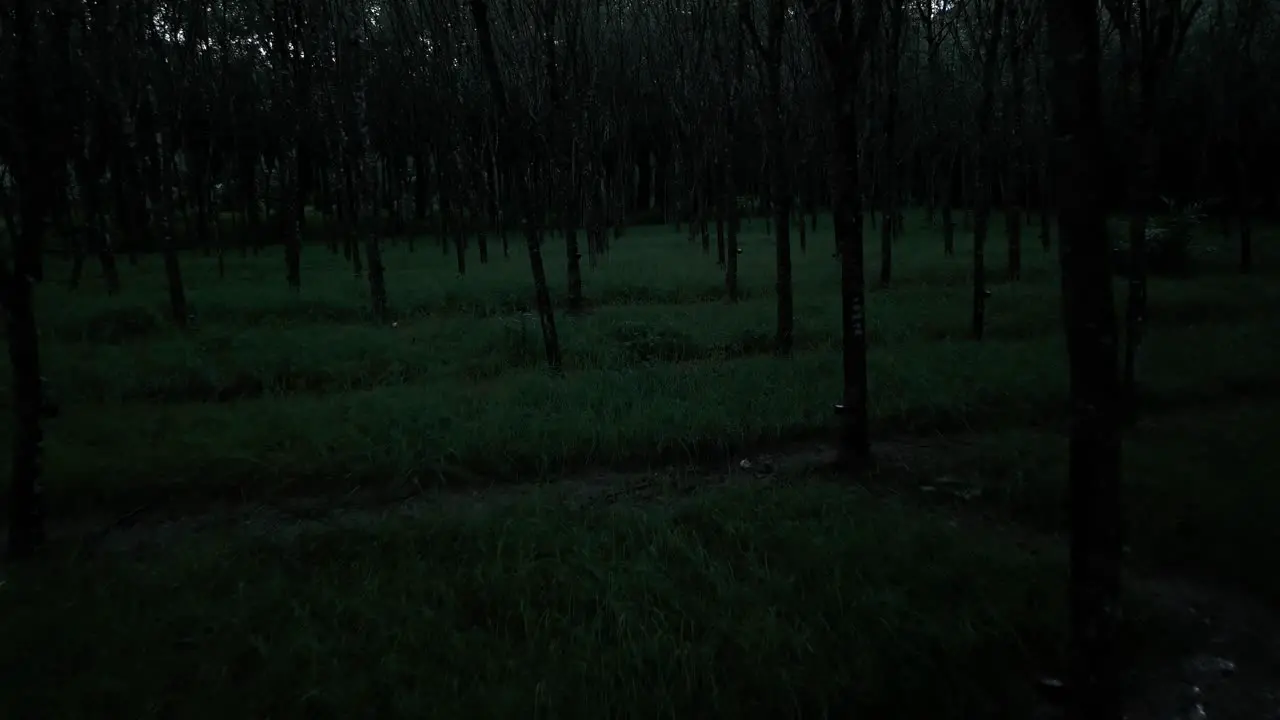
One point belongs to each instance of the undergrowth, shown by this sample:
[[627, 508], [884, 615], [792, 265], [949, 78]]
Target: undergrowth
[[792, 595]]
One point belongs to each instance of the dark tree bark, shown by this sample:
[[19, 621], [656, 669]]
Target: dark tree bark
[[1090, 323], [1019, 39], [26, 511], [360, 151], [985, 171], [889, 164], [948, 212], [770, 51], [290, 98], [844, 36], [722, 211], [172, 268], [34, 132], [521, 187], [729, 189], [574, 269], [1151, 34]]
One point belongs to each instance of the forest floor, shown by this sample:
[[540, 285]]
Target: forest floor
[[290, 512]]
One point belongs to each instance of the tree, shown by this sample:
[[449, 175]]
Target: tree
[[890, 157], [770, 51], [517, 136], [33, 146], [1089, 320], [1151, 34], [985, 25], [844, 36], [359, 155]]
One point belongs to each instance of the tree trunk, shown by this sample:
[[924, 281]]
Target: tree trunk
[[172, 269], [1015, 164], [460, 249], [843, 51], [731, 236], [722, 211], [26, 512], [889, 160], [1136, 302], [289, 216], [574, 269], [377, 276], [1046, 211], [948, 199], [1089, 317], [524, 193], [31, 173], [546, 316], [984, 174], [1242, 213]]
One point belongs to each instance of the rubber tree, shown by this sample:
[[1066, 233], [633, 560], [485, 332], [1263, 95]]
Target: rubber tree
[[1151, 35], [843, 30], [768, 48], [984, 21], [518, 137], [353, 60], [30, 144], [1095, 689], [890, 95]]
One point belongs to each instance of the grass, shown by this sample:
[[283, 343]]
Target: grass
[[741, 599], [794, 595]]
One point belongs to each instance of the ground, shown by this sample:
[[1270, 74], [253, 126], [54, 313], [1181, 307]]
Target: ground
[[290, 511]]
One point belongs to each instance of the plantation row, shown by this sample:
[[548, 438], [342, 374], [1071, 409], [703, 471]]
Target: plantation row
[[528, 424], [221, 363]]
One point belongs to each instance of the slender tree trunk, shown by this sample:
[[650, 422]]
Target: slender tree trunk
[[855, 443], [26, 511], [889, 169], [731, 236], [172, 268], [1014, 166], [984, 174], [1089, 317], [803, 229], [1046, 211], [289, 218], [573, 254], [34, 186], [546, 317], [722, 211], [574, 269], [843, 50], [363, 162], [523, 191], [460, 248], [1242, 213], [948, 200], [377, 276]]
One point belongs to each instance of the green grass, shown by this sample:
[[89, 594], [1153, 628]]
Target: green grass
[[798, 594], [744, 599], [1199, 485]]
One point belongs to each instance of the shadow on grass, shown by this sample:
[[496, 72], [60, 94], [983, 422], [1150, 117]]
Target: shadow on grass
[[225, 364], [1200, 489], [818, 601], [242, 476]]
